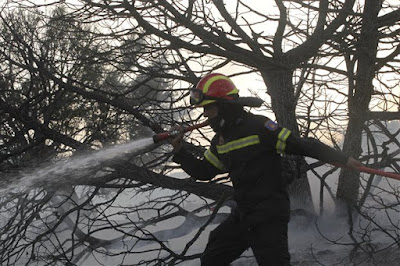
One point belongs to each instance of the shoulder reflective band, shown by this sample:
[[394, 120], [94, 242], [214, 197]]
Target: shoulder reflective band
[[213, 160], [238, 144], [282, 137]]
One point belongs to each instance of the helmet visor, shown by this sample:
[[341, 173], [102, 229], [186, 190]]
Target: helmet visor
[[196, 96]]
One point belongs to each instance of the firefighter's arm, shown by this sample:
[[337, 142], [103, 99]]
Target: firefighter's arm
[[316, 149], [200, 169], [284, 142]]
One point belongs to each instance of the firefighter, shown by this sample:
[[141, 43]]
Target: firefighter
[[249, 147]]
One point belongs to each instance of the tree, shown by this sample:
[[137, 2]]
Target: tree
[[222, 31], [364, 66], [101, 72]]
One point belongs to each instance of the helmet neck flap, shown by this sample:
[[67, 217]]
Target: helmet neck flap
[[228, 115]]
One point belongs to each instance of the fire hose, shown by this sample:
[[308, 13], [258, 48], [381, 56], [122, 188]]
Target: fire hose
[[379, 172], [369, 170]]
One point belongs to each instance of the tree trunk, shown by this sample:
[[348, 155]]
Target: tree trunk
[[359, 100], [281, 89]]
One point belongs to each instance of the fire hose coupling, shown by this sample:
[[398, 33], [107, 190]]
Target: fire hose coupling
[[174, 133], [171, 134]]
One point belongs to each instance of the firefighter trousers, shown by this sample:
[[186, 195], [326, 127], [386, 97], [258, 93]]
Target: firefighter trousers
[[231, 238]]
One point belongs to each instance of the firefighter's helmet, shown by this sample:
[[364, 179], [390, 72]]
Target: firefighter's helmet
[[213, 87]]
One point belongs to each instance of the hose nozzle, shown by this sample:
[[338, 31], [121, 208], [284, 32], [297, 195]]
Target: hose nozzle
[[171, 134]]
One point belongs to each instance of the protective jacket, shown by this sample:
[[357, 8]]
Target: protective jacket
[[250, 150]]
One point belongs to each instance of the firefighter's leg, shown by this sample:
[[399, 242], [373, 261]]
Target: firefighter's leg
[[226, 243], [269, 243]]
